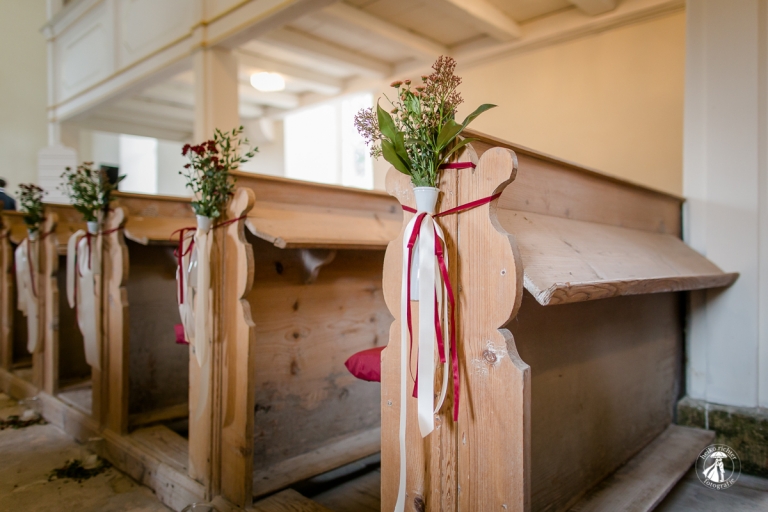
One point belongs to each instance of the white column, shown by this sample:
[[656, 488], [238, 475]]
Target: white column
[[724, 179], [216, 97]]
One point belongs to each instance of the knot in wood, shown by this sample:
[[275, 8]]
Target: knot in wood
[[418, 504], [490, 356]]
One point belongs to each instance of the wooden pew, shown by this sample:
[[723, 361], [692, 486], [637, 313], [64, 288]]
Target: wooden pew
[[554, 400], [41, 368], [297, 290], [147, 370]]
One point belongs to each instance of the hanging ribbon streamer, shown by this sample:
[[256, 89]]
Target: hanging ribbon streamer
[[26, 270], [424, 245], [83, 265]]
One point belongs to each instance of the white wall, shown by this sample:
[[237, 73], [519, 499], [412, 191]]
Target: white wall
[[169, 163], [726, 182], [23, 90]]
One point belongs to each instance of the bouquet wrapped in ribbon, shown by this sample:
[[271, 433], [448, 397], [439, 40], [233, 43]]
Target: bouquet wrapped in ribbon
[[420, 137], [27, 260]]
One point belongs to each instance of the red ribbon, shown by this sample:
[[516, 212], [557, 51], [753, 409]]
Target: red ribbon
[[440, 254], [458, 165], [31, 269], [179, 252]]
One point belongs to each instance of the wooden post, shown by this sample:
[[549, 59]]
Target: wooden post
[[49, 312], [6, 297], [216, 106], [114, 324], [235, 353], [483, 461]]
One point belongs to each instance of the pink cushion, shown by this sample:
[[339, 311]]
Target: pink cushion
[[366, 365]]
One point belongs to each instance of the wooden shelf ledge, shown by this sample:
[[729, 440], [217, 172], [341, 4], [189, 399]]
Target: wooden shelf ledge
[[289, 226], [156, 230], [568, 261], [641, 484]]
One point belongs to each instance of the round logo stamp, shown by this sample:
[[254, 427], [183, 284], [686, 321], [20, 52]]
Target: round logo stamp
[[718, 467]]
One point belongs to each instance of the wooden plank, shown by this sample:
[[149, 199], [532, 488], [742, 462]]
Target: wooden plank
[[552, 186], [571, 261], [168, 446], [155, 230], [6, 296], [288, 501], [113, 398], [645, 480], [236, 339], [304, 333], [335, 453], [605, 378], [172, 412], [290, 226], [361, 494], [50, 305], [495, 417]]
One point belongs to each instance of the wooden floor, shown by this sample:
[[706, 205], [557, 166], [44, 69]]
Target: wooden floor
[[359, 491], [749, 494]]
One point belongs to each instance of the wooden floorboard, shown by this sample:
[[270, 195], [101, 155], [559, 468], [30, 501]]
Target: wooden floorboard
[[165, 444], [363, 494], [748, 494], [288, 501], [80, 397], [643, 482]]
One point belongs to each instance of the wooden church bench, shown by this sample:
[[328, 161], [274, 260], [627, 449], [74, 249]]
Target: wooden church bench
[[300, 291], [148, 371], [558, 389]]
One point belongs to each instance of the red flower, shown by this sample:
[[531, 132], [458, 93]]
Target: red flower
[[211, 146], [185, 150]]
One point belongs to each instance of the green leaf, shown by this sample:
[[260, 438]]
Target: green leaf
[[479, 110], [391, 156], [400, 149], [457, 147], [386, 124], [448, 132]]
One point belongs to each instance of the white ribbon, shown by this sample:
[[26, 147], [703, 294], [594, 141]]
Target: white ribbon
[[26, 264], [81, 294], [429, 283], [203, 315], [186, 272]]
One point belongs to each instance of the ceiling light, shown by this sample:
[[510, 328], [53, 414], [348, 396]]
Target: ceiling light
[[267, 82]]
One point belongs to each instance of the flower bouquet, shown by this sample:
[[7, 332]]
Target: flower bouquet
[[31, 203], [90, 192]]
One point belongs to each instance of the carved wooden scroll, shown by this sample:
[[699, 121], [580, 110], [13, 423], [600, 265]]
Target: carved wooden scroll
[[6, 294], [481, 462], [113, 384], [46, 366], [221, 425]]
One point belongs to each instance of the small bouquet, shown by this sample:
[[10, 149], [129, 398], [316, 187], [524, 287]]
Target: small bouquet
[[420, 132], [90, 191], [31, 202], [207, 172]]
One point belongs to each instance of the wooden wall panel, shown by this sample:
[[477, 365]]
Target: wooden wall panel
[[72, 365], [304, 333], [158, 366], [550, 186], [605, 378]]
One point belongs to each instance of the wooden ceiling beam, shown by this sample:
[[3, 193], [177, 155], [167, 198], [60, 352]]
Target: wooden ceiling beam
[[595, 7], [422, 46], [488, 18], [325, 51]]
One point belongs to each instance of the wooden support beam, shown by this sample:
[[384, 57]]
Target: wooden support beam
[[487, 17], [422, 46], [595, 7], [324, 51]]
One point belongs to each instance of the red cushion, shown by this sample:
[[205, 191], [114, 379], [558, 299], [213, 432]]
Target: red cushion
[[366, 365], [180, 338]]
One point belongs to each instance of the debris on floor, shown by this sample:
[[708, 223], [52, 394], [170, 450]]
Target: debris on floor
[[80, 470]]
